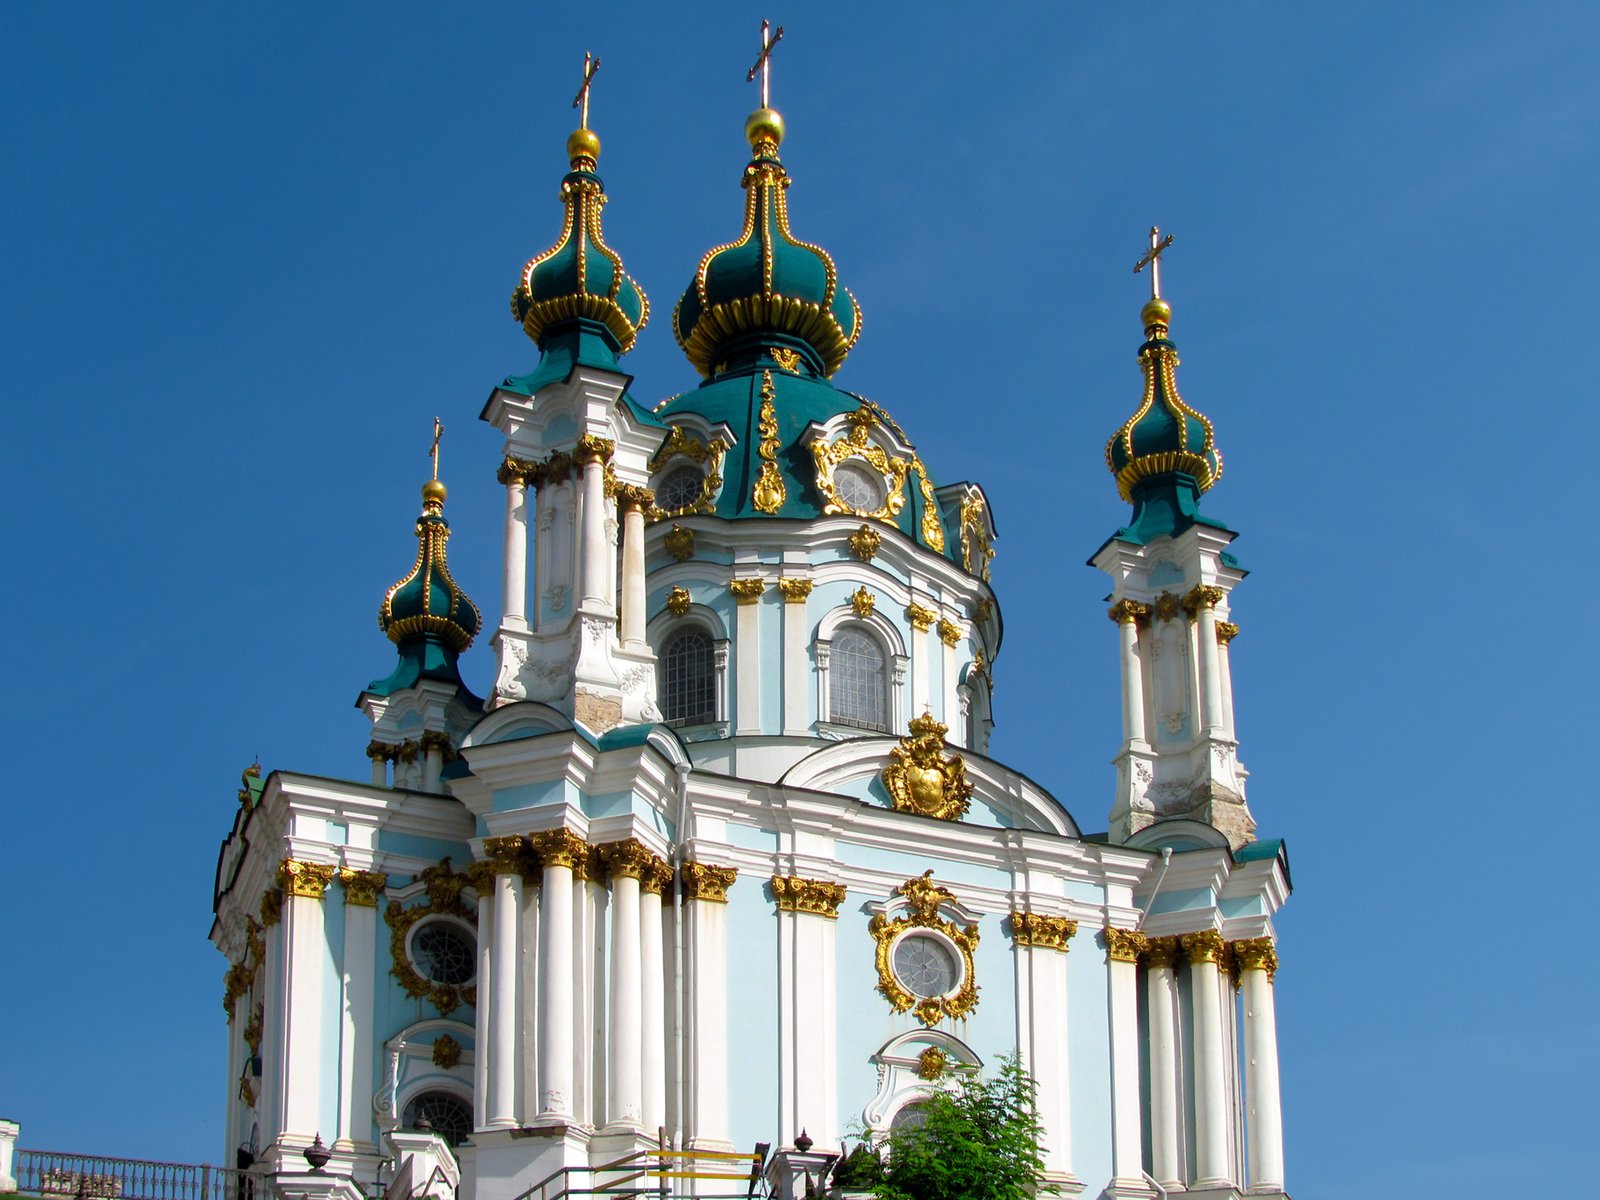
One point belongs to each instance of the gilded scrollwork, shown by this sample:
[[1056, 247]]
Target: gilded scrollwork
[[922, 778], [1202, 596], [1162, 952], [1124, 945], [1128, 611], [1040, 930], [592, 448], [628, 859], [702, 881], [443, 887], [921, 617], [678, 601], [857, 444], [446, 1052], [976, 552], [950, 633], [795, 591], [865, 543], [708, 454], [983, 610], [520, 471], [679, 543], [1204, 946], [1256, 954], [924, 899], [747, 591], [816, 896], [1168, 606], [362, 888], [863, 602], [561, 848], [769, 491], [271, 906], [508, 855], [1226, 632], [657, 880], [246, 792], [787, 360], [933, 1063], [303, 879]]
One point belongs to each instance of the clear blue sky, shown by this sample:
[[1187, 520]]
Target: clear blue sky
[[251, 251]]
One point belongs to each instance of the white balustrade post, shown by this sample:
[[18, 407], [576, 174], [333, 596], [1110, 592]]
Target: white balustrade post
[[1161, 1005], [1258, 966], [1205, 950]]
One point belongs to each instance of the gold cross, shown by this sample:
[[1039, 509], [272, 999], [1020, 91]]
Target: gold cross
[[764, 63], [591, 64], [1152, 259], [438, 432]]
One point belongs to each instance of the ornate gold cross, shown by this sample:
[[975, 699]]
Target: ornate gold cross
[[591, 64], [433, 452], [764, 63], [1152, 259]]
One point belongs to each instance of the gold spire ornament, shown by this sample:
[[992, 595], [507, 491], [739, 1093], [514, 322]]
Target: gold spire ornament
[[591, 64], [763, 64], [1157, 311], [921, 778]]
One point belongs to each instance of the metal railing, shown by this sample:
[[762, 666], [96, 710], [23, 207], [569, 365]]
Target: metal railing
[[91, 1177], [660, 1173]]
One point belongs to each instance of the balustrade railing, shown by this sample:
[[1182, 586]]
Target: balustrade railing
[[58, 1176]]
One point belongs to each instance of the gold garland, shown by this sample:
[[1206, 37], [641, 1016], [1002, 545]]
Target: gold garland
[[444, 888], [925, 899]]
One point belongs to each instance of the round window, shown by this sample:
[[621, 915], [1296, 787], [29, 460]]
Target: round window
[[680, 489], [444, 952], [446, 1113], [858, 487], [925, 966]]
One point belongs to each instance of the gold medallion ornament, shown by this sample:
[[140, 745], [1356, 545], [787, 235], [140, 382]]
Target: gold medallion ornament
[[924, 898], [863, 602], [679, 543], [858, 445], [932, 1064], [446, 1052], [678, 601], [865, 542], [922, 778], [769, 492]]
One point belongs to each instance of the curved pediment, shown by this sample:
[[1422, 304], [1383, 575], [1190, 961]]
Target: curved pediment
[[1180, 833], [999, 796], [513, 722]]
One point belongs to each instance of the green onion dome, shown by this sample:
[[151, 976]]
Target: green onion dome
[[580, 279], [428, 603], [768, 287], [1165, 439]]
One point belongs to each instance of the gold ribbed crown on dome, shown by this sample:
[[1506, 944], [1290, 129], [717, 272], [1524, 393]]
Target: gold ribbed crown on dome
[[428, 602], [581, 278], [767, 283]]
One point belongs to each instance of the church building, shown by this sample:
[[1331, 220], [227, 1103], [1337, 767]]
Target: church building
[[720, 857]]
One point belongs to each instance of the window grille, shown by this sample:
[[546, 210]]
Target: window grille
[[688, 685], [680, 489], [856, 690], [448, 1114]]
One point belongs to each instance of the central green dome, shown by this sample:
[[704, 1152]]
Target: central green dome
[[768, 287]]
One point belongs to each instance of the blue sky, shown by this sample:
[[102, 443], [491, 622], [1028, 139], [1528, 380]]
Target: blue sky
[[251, 252]]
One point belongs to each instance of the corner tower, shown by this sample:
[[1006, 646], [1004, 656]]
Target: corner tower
[[1172, 576]]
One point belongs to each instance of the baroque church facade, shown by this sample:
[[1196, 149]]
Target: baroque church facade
[[722, 858]]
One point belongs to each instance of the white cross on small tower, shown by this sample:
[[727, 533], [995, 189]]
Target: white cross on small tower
[[1152, 259], [764, 62]]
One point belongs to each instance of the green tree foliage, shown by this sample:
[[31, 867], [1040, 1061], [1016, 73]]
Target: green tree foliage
[[977, 1141]]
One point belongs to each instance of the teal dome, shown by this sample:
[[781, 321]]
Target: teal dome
[[580, 281], [428, 603], [1164, 438], [767, 287]]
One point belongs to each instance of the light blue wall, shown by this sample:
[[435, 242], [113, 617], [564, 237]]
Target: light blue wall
[[752, 1027], [910, 864], [1089, 1060]]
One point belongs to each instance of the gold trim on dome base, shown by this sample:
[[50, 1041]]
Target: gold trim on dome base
[[1162, 360], [924, 897], [444, 888], [922, 778], [769, 491], [816, 896]]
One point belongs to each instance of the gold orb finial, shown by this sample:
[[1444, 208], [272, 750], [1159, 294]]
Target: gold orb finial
[[433, 493], [1156, 311], [583, 144], [764, 125]]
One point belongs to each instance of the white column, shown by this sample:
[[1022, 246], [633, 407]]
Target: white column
[[514, 594], [559, 850], [624, 1101], [1205, 618], [433, 761], [796, 668], [706, 935], [807, 1009], [483, 881], [1127, 614], [633, 582], [378, 752], [596, 566], [361, 892], [1224, 654], [1161, 1005], [950, 636], [652, 1005], [747, 681], [1122, 968], [1204, 950], [501, 1111], [305, 954], [1258, 964], [1041, 956], [921, 634]]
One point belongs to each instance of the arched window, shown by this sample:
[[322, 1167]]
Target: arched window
[[688, 679], [446, 1113], [857, 692]]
